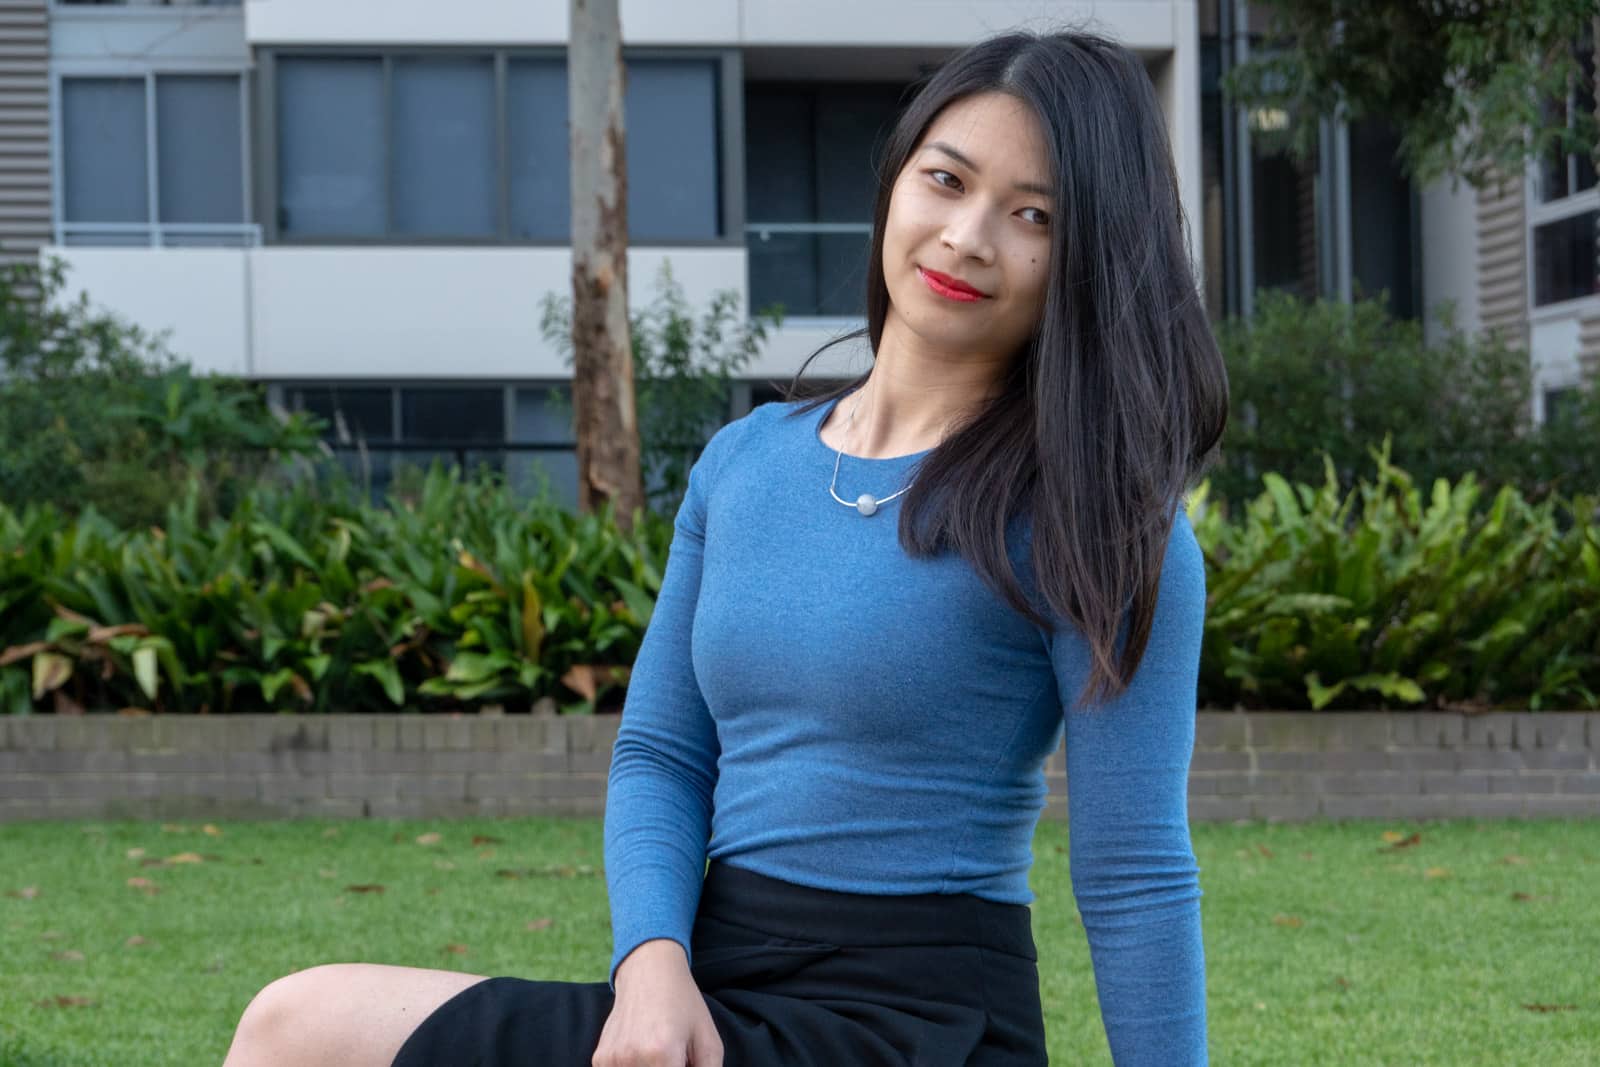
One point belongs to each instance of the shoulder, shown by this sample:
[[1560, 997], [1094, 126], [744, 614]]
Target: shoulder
[[750, 430], [738, 436]]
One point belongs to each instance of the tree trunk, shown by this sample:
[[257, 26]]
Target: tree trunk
[[605, 419]]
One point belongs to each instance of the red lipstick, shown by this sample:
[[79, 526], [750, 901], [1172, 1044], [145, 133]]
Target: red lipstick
[[952, 288]]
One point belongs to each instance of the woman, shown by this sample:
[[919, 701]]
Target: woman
[[847, 711]]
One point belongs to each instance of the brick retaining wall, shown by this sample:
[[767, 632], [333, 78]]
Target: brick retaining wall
[[1263, 765]]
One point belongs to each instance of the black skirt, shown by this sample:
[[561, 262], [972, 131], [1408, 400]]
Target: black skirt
[[793, 976]]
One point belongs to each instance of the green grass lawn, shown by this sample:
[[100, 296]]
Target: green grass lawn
[[1477, 944]]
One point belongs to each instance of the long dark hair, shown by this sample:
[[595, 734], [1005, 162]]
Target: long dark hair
[[1113, 407]]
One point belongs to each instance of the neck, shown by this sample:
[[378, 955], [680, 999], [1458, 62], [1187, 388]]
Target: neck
[[916, 394]]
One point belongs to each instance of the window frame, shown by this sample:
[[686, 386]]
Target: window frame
[[728, 137], [1539, 212], [154, 230]]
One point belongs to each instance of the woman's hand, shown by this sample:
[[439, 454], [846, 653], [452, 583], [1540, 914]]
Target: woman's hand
[[659, 1018]]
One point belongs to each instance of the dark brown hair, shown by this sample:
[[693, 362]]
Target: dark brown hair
[[1113, 407]]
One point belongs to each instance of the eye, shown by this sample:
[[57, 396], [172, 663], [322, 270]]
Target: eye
[[935, 175], [1043, 220]]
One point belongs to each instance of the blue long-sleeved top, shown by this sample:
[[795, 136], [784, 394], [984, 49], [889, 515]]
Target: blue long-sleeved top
[[812, 704]]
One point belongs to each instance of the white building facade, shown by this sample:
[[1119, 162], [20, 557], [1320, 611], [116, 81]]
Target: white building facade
[[362, 203]]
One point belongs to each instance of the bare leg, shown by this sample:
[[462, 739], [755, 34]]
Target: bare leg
[[350, 1014]]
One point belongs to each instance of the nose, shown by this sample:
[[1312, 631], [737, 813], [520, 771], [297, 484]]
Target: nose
[[966, 232]]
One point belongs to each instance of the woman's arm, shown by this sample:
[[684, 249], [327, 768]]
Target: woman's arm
[[664, 764], [1134, 874]]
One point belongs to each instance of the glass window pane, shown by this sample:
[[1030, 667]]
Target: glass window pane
[[780, 171], [351, 413], [1283, 218], [444, 148], [198, 149], [540, 419], [472, 413], [671, 108], [852, 123], [330, 146], [783, 270], [103, 150], [536, 146], [1566, 261]]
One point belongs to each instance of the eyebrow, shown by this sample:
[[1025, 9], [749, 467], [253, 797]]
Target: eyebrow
[[1025, 187]]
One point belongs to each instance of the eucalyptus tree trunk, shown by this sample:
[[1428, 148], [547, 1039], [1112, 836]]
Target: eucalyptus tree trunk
[[604, 414]]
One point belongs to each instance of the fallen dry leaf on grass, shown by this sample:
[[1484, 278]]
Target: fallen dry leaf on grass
[[540, 924], [326, 873], [1286, 920], [25, 893], [1436, 872], [50, 935], [1397, 842], [186, 857], [210, 831], [145, 884], [135, 941], [430, 838], [135, 853], [1341, 981], [332, 831], [1530, 896], [65, 1002], [1512, 861], [1264, 850], [485, 839], [363, 889], [174, 828], [486, 853], [68, 955], [455, 949], [1551, 1007]]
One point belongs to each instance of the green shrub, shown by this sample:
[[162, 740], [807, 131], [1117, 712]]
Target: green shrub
[[95, 412], [1387, 597], [1314, 377], [306, 602], [683, 370], [463, 595]]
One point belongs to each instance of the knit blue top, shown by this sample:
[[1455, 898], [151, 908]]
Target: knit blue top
[[814, 705]]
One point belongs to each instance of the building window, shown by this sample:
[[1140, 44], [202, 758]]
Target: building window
[[404, 147], [1564, 215], [1565, 265], [194, 194], [1560, 403], [810, 151]]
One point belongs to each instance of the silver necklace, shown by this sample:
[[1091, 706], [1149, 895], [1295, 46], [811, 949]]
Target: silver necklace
[[866, 504]]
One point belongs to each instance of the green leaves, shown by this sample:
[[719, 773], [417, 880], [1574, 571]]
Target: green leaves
[[309, 602], [1386, 597]]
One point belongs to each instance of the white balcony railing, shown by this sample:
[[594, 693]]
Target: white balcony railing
[[160, 234]]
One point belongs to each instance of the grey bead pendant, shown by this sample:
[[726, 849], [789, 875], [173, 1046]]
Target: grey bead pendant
[[865, 504]]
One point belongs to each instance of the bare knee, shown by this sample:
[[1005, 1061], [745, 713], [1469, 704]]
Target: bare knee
[[276, 1012]]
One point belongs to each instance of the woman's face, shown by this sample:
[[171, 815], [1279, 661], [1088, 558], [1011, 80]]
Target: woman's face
[[973, 203]]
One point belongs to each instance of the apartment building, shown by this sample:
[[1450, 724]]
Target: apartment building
[[362, 203]]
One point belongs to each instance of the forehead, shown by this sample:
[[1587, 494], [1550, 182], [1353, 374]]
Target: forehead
[[994, 130]]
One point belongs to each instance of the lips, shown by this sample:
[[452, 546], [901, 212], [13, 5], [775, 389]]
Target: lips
[[948, 286]]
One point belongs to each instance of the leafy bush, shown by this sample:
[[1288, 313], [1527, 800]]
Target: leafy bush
[[1308, 378], [306, 602], [95, 412], [465, 596], [1387, 597], [683, 369]]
